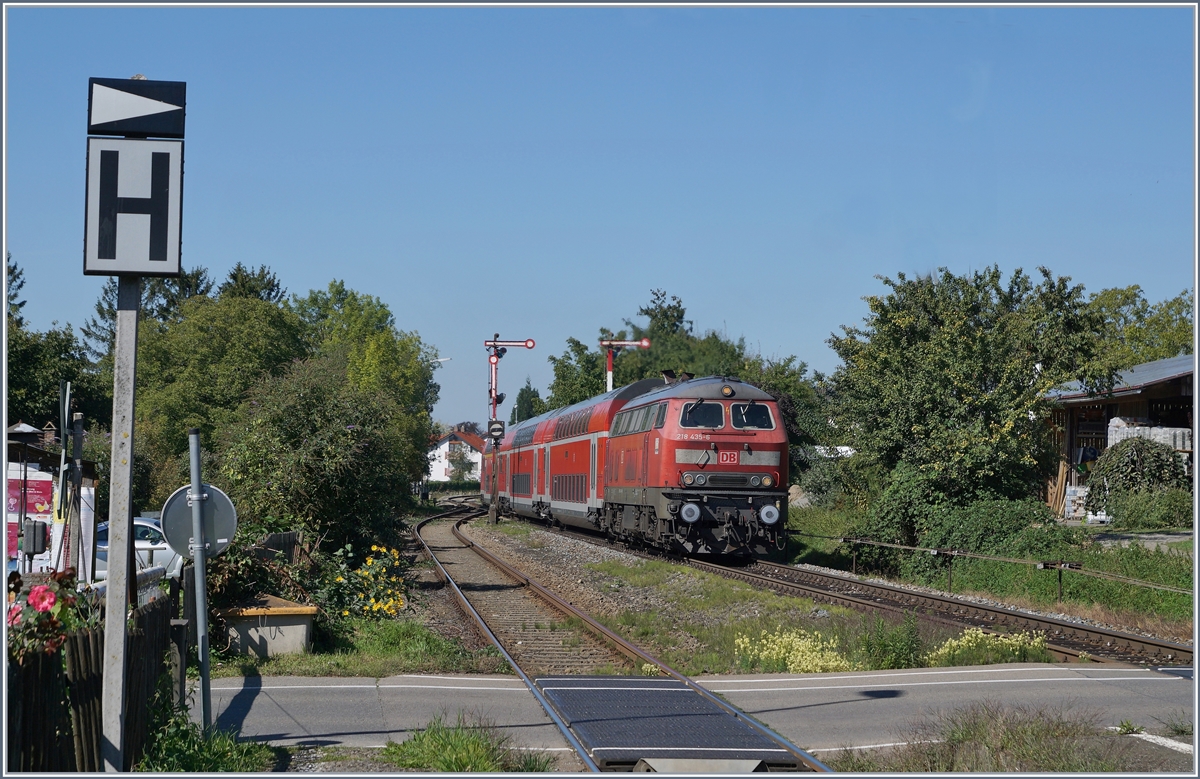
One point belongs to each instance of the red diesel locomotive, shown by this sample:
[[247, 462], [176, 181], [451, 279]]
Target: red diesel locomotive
[[697, 466]]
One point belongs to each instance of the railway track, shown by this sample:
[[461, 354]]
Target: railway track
[[542, 634], [1066, 640]]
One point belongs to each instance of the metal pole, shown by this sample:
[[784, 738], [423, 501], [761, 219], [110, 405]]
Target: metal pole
[[120, 513], [609, 369], [76, 512], [1060, 583], [196, 499]]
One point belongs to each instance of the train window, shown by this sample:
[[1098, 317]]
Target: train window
[[619, 423], [702, 414], [753, 415], [662, 416]]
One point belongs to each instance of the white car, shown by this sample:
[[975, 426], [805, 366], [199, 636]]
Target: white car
[[149, 544]]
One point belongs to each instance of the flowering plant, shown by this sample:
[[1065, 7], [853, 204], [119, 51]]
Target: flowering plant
[[373, 589], [41, 620]]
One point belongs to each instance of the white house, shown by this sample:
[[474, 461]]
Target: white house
[[440, 468]]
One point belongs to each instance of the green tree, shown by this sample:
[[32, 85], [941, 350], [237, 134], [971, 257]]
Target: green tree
[[1136, 332], [194, 371], [311, 450], [462, 467], [245, 283], [13, 282], [950, 373], [37, 362], [528, 404], [380, 358], [161, 301]]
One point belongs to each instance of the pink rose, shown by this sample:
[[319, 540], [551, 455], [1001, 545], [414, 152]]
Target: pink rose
[[42, 598], [14, 615]]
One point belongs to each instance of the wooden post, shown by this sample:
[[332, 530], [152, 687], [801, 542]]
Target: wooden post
[[120, 520]]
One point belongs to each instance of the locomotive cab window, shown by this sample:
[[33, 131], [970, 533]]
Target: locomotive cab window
[[705, 413], [755, 416]]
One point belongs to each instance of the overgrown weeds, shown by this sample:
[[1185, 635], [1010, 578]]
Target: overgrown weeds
[[376, 648], [177, 743], [987, 736], [464, 747]]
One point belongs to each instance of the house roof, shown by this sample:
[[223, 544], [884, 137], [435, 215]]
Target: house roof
[[470, 439], [1132, 381]]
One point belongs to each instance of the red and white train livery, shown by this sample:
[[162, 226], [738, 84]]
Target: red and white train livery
[[694, 466]]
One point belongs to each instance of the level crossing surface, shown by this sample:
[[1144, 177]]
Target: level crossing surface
[[623, 719]]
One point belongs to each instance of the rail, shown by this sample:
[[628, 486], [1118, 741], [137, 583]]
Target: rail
[[634, 652]]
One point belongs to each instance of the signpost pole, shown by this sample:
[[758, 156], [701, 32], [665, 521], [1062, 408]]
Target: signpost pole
[[498, 349], [196, 499], [613, 346], [75, 510], [120, 514]]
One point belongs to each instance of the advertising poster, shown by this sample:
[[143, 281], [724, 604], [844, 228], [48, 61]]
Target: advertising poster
[[39, 505]]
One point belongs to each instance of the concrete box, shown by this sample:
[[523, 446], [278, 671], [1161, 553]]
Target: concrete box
[[270, 626]]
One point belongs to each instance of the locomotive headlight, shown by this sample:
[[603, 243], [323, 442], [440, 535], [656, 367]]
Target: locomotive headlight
[[769, 515], [755, 481], [700, 479], [691, 512], [688, 479], [767, 481]]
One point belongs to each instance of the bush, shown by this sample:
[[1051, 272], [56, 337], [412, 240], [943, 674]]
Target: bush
[[177, 744], [1134, 465], [374, 589], [901, 515], [1150, 509]]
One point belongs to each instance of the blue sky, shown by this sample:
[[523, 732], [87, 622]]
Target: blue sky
[[538, 171]]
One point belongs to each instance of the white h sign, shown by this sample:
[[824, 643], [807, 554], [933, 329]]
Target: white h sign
[[134, 207]]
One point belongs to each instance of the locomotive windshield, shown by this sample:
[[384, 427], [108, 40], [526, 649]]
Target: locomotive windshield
[[702, 414], [754, 415]]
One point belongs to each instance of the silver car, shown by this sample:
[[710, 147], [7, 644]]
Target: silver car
[[149, 544]]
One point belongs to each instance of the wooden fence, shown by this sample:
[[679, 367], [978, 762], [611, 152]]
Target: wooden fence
[[55, 702]]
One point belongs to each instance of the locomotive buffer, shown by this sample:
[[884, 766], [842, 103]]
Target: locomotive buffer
[[659, 724]]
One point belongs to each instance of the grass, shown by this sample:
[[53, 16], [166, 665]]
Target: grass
[[1176, 723], [370, 648], [463, 747], [178, 744], [988, 737], [698, 631], [1163, 612]]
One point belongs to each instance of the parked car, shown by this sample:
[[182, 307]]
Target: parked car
[[149, 544]]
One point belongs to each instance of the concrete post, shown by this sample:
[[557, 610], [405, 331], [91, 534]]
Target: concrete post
[[120, 521]]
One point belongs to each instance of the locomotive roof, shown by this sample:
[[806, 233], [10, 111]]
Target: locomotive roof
[[708, 388]]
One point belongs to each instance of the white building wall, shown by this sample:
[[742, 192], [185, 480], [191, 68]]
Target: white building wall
[[439, 465]]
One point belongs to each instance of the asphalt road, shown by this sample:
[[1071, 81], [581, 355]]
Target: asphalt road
[[824, 712], [819, 712]]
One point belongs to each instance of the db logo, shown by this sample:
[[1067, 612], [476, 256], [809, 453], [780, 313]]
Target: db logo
[[729, 458]]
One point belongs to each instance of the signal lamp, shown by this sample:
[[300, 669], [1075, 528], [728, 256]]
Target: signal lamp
[[499, 398], [501, 352], [493, 359]]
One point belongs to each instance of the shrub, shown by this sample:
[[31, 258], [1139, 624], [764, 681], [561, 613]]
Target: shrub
[[374, 589], [794, 651], [1150, 509], [1133, 465], [41, 620]]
